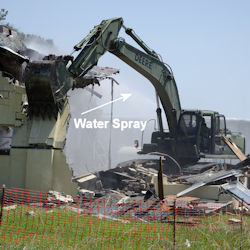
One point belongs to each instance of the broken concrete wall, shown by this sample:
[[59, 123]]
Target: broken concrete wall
[[35, 159], [37, 169]]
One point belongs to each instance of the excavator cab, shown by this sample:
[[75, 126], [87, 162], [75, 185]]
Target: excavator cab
[[204, 129], [198, 136]]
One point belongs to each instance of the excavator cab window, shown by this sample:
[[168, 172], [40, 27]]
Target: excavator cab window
[[220, 125], [188, 124], [220, 129], [205, 134], [208, 121]]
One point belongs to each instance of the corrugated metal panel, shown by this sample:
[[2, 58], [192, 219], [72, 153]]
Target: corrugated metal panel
[[238, 191], [205, 178]]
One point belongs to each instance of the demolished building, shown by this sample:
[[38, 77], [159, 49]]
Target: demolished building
[[35, 115]]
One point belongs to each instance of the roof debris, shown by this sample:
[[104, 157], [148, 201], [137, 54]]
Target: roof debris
[[200, 180], [238, 191]]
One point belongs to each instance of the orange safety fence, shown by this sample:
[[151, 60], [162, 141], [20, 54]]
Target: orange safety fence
[[39, 219]]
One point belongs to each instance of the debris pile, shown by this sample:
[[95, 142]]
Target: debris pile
[[132, 179], [137, 181], [59, 197], [147, 208]]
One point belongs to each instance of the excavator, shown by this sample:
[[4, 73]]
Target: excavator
[[193, 134]]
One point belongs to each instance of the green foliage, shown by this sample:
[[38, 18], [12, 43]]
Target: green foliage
[[26, 38], [3, 14]]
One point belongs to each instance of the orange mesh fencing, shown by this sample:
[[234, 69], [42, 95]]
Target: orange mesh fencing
[[48, 219]]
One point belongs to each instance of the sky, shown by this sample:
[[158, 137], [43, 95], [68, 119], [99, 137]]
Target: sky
[[206, 43]]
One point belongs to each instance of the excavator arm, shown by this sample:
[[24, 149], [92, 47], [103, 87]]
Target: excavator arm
[[104, 37], [94, 45]]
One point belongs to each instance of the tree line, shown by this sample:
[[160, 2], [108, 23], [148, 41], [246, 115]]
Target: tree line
[[24, 37]]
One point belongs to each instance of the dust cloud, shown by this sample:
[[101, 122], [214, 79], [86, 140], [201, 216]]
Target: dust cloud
[[42, 48], [87, 150]]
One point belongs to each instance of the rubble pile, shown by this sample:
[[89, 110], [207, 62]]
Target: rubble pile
[[137, 176], [10, 39], [132, 179], [137, 181], [147, 208]]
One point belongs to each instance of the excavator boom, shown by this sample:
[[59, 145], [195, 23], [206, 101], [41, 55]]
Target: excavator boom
[[157, 73]]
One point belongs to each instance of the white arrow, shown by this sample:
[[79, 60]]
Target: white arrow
[[123, 97]]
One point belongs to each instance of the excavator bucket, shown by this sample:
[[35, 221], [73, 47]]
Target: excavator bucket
[[47, 83]]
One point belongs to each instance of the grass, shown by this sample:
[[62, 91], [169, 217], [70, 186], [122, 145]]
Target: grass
[[64, 229]]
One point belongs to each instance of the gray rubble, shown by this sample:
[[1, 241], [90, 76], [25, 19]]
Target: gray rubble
[[133, 179], [140, 177], [10, 39]]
